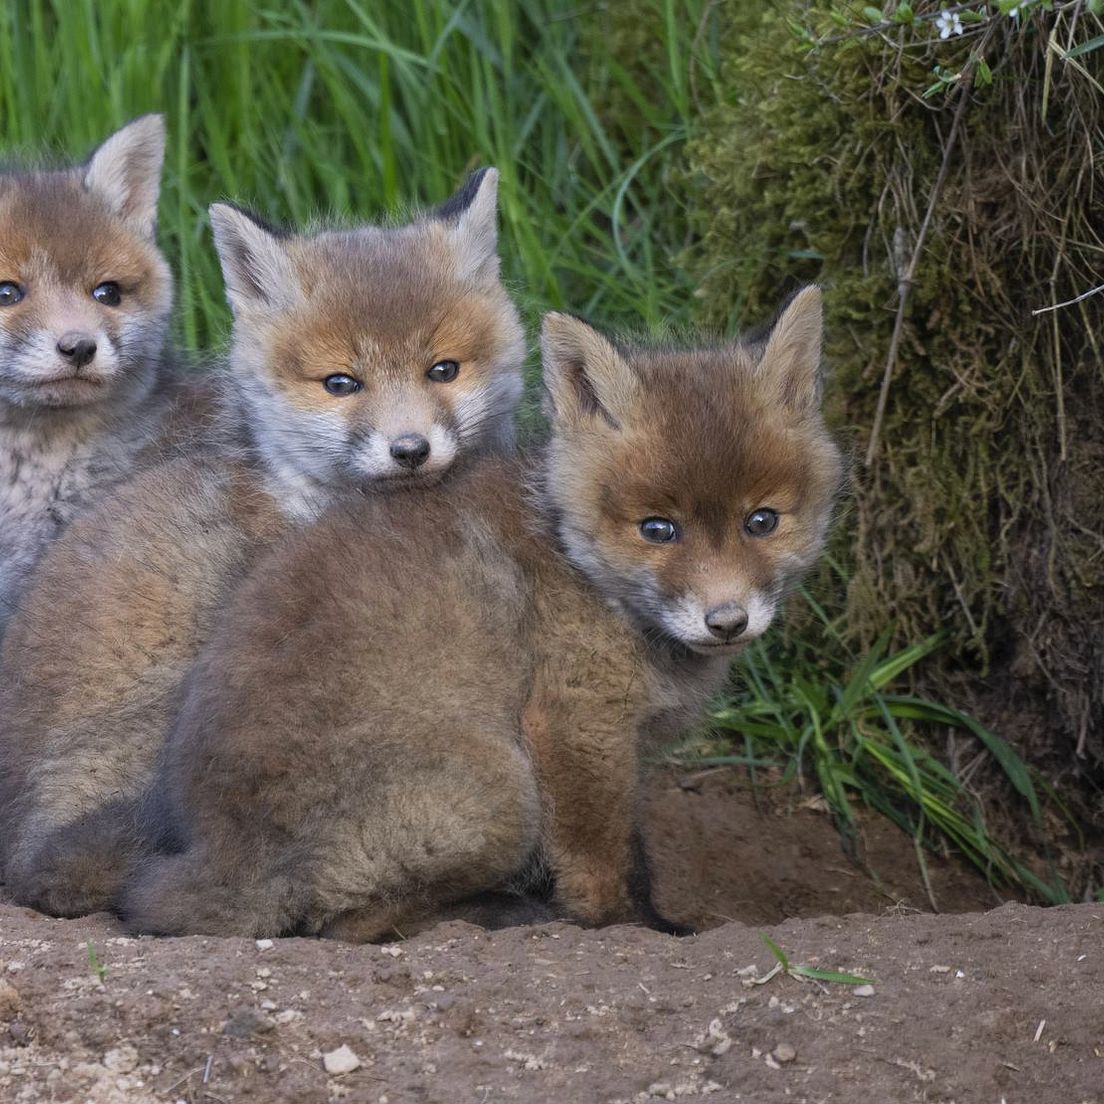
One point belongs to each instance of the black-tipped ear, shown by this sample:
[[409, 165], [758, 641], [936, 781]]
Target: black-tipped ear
[[790, 364], [584, 374], [125, 172], [256, 267], [472, 219], [462, 198]]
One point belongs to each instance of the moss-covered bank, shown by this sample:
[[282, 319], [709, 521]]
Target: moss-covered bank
[[982, 512]]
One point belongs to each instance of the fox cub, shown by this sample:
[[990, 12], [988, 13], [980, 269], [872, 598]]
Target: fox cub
[[86, 383], [363, 361], [412, 704]]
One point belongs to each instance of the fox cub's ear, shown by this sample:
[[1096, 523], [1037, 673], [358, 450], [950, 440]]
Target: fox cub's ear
[[125, 172], [472, 218], [256, 268], [584, 374], [790, 364]]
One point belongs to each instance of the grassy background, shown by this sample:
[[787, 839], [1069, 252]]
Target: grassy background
[[355, 109], [359, 108]]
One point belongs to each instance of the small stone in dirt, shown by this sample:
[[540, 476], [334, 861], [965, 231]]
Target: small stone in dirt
[[784, 1053], [10, 1001], [342, 1060], [19, 1033], [123, 1059], [245, 1023], [863, 991], [264, 944]]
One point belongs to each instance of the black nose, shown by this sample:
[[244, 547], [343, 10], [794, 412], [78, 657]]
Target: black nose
[[727, 621], [79, 348], [411, 450]]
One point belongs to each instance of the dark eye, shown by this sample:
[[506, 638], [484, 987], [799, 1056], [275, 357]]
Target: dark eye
[[108, 294], [341, 384], [659, 530], [10, 294], [761, 522], [444, 371]]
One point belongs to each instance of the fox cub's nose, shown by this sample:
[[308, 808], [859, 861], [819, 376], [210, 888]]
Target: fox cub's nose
[[78, 348], [411, 450], [728, 621]]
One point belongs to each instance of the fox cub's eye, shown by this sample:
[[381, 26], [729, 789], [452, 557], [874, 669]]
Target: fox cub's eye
[[659, 530], [761, 522], [10, 294], [444, 371], [340, 384], [108, 294]]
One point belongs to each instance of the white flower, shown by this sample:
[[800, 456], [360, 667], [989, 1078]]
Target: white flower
[[948, 24]]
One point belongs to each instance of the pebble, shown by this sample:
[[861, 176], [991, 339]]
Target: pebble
[[122, 1059], [10, 1001], [245, 1023], [264, 944], [784, 1053], [863, 991], [339, 1061]]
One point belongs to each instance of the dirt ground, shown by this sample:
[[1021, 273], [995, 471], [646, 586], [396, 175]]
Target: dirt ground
[[998, 1006]]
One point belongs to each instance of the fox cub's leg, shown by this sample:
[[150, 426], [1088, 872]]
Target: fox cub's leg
[[423, 827], [493, 911], [78, 869], [582, 729], [434, 836], [181, 895], [587, 766]]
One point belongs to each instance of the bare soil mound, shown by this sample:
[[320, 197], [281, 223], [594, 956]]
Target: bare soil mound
[[1002, 1005]]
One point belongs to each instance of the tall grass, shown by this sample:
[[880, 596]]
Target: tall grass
[[359, 108]]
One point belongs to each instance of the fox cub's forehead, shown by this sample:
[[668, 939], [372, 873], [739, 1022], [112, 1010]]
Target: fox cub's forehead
[[378, 290], [378, 263], [704, 438], [49, 219]]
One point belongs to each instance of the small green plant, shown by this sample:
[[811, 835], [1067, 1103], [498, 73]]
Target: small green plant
[[97, 967], [820, 711], [806, 973]]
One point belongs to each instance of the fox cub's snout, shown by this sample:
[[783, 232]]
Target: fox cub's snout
[[84, 293], [375, 355], [691, 486]]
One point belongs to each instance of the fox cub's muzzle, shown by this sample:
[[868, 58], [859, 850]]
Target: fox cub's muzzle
[[726, 622], [77, 348], [411, 450]]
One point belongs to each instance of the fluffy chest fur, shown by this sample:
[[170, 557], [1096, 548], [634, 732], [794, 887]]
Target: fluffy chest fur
[[49, 471]]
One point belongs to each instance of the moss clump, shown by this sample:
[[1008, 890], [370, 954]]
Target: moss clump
[[983, 511]]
